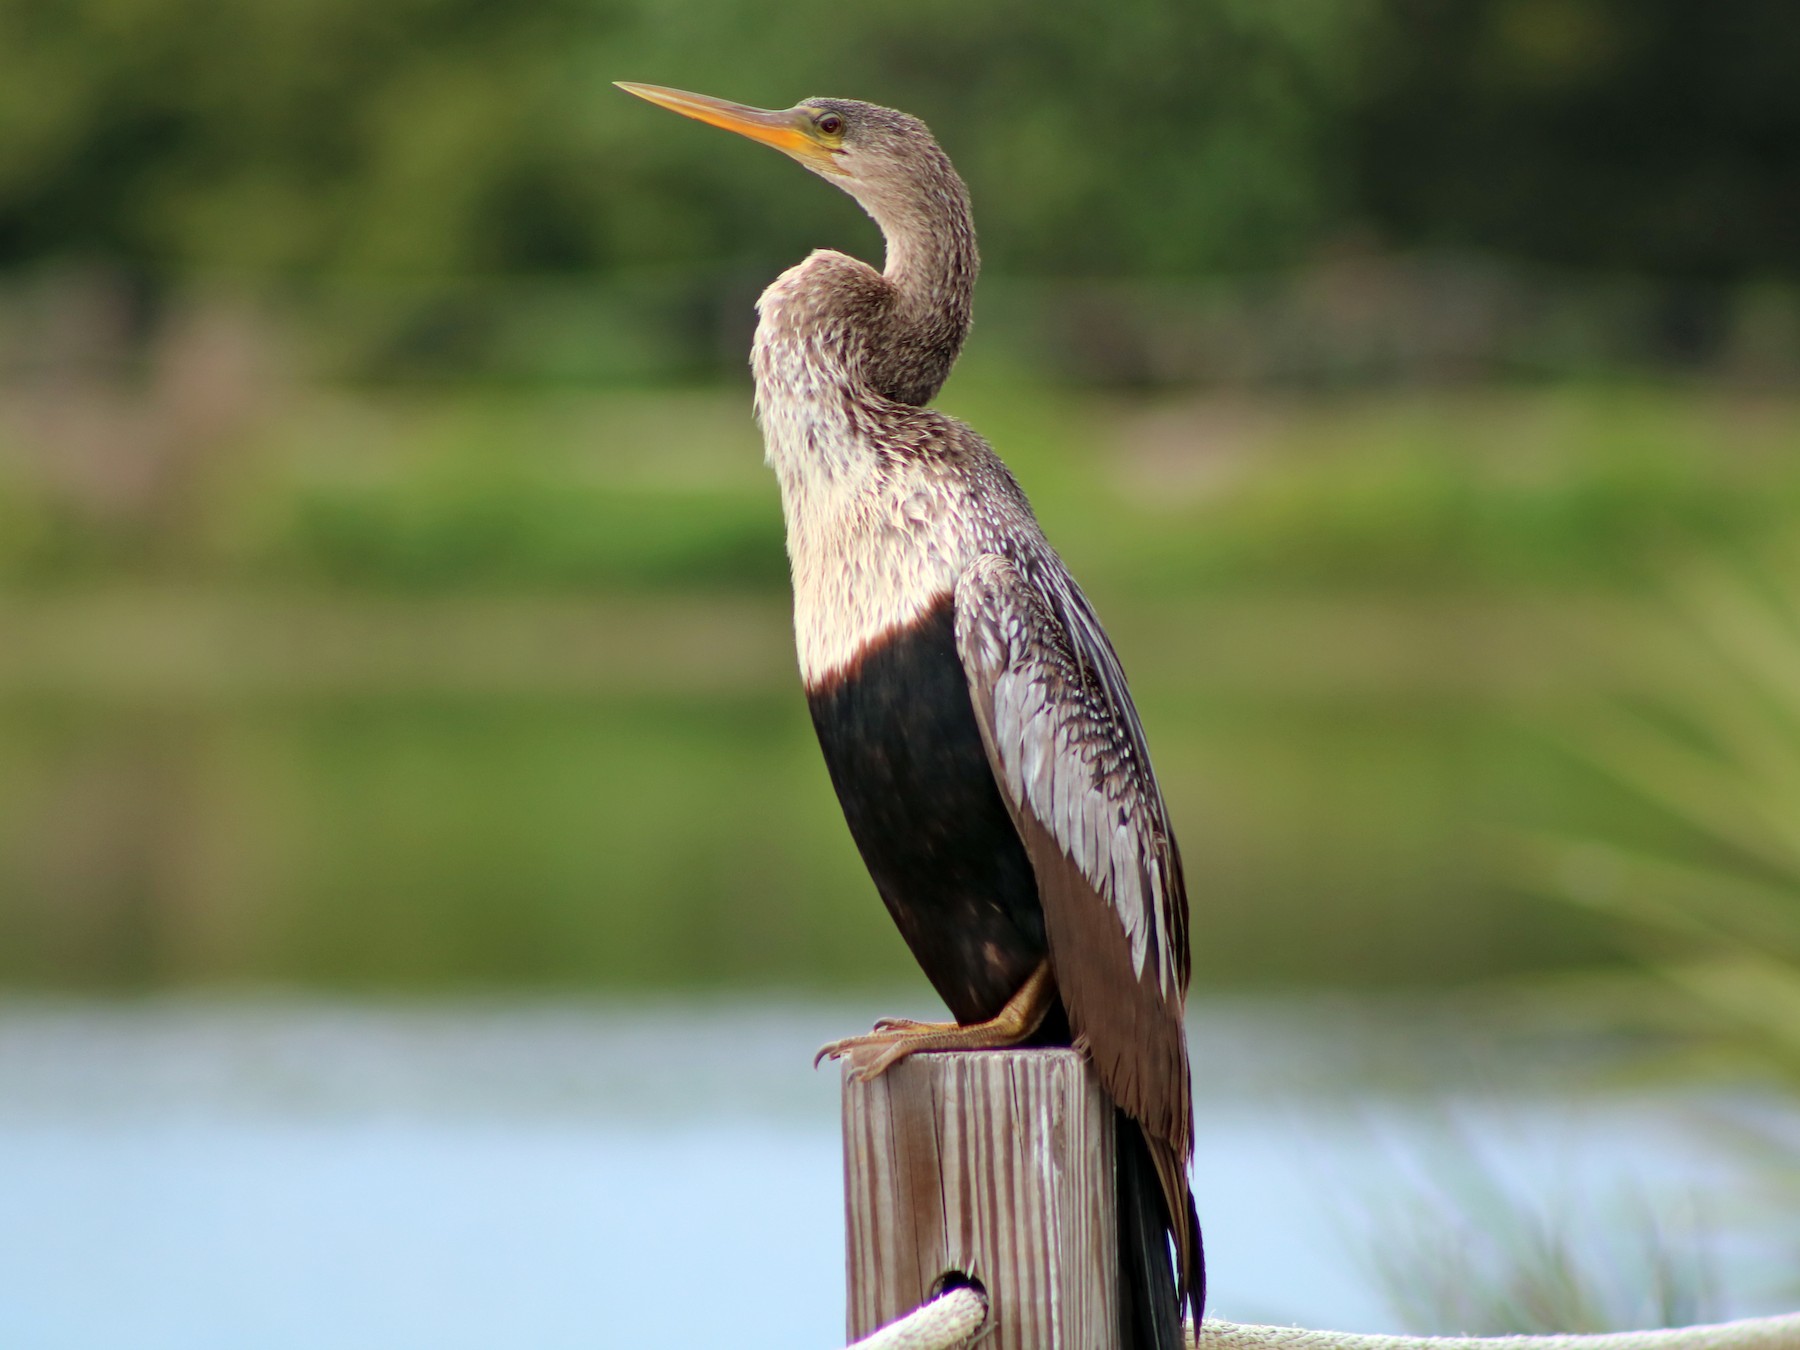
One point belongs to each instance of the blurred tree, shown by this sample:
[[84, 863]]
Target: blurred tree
[[274, 138], [1658, 136], [282, 134], [435, 136]]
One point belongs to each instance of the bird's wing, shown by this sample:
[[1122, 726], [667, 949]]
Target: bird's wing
[[1067, 750]]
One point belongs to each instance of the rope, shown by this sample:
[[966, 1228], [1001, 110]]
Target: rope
[[950, 1321], [946, 1323], [1755, 1333]]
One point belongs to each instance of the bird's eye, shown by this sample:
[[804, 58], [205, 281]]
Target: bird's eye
[[831, 124]]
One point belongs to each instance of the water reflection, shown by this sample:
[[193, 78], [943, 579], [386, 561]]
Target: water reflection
[[226, 1173]]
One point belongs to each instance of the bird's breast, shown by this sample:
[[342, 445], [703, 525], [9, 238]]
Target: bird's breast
[[874, 541], [865, 569]]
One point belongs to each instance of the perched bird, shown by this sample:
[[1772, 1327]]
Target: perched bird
[[973, 714]]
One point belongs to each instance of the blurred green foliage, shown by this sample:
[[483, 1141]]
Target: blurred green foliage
[[1708, 896], [284, 138], [1659, 137], [462, 687], [448, 136], [497, 489]]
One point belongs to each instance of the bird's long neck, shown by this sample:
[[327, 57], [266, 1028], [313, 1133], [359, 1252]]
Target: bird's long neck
[[931, 266]]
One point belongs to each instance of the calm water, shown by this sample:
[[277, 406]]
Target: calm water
[[201, 1174]]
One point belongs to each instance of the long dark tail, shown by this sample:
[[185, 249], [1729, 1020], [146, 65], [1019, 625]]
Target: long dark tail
[[1150, 1297]]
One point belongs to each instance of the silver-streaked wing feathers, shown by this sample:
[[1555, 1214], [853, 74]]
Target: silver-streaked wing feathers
[[1067, 750]]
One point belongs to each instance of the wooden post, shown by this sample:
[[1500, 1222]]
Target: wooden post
[[997, 1164]]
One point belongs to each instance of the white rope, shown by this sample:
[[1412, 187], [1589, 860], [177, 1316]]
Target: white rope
[[945, 1323], [1754, 1333], [952, 1320]]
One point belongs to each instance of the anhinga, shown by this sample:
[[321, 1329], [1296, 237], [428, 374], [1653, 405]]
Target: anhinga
[[973, 714]]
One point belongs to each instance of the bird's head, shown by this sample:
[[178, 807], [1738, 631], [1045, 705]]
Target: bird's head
[[889, 162], [881, 157]]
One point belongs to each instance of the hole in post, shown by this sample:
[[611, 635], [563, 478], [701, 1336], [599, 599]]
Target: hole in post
[[952, 1280]]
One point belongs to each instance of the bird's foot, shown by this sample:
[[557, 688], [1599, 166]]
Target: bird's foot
[[862, 1050], [894, 1038]]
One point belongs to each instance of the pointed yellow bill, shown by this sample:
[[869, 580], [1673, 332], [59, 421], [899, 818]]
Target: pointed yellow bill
[[790, 130]]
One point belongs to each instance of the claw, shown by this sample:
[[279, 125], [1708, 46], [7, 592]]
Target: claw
[[908, 1024], [875, 1052], [882, 1039]]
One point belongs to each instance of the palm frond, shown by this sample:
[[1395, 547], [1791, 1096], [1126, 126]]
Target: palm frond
[[1713, 740]]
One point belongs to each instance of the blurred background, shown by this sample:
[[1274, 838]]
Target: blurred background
[[420, 892]]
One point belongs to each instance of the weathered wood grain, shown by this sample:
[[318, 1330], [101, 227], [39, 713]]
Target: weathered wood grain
[[997, 1164]]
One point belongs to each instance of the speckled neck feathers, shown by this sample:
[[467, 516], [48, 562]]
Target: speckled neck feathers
[[845, 357], [895, 333], [931, 267]]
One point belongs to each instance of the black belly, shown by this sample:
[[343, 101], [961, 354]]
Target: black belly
[[906, 758]]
